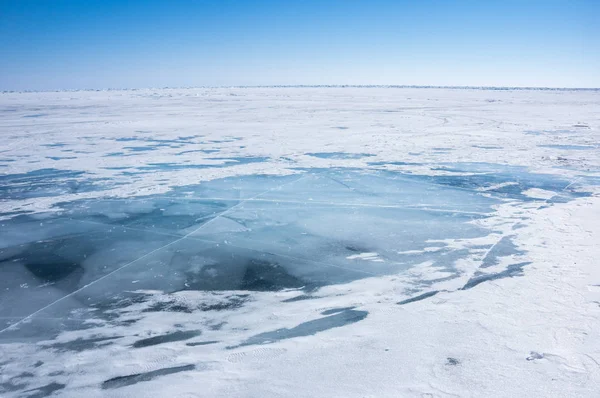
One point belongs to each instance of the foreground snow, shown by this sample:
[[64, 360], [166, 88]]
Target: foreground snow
[[484, 280]]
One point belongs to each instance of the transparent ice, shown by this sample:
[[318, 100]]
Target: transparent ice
[[253, 233]]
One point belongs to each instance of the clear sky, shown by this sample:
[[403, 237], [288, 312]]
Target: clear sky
[[70, 44]]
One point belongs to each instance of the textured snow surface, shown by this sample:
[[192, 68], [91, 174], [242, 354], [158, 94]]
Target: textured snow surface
[[265, 242]]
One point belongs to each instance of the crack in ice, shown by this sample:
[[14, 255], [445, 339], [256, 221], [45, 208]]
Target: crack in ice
[[28, 317]]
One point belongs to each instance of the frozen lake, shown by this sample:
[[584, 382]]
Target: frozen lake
[[169, 239]]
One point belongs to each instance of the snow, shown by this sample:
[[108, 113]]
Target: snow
[[285, 241], [539, 193], [370, 256]]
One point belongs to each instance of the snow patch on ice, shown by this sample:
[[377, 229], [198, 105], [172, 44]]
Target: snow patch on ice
[[538, 193], [367, 256]]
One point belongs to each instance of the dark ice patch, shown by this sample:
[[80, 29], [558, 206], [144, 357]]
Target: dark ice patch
[[79, 345], [504, 247], [170, 306], [299, 298], [45, 391], [258, 275], [357, 249], [140, 148], [61, 157], [265, 276], [511, 271], [166, 338], [55, 260], [198, 343], [534, 355], [35, 115], [336, 310], [230, 302], [452, 361], [418, 298], [123, 381], [486, 147], [16, 383], [11, 386], [198, 150], [309, 328], [47, 183]]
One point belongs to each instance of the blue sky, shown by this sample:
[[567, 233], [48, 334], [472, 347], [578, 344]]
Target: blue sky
[[70, 44]]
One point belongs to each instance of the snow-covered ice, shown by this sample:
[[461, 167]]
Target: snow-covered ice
[[300, 242]]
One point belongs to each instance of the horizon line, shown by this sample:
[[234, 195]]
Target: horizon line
[[400, 86]]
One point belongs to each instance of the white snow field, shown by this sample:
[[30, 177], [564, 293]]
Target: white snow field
[[300, 242]]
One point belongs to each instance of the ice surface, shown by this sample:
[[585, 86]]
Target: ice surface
[[260, 233], [383, 242], [44, 183]]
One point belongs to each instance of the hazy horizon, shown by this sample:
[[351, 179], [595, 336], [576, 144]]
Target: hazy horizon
[[366, 86]]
